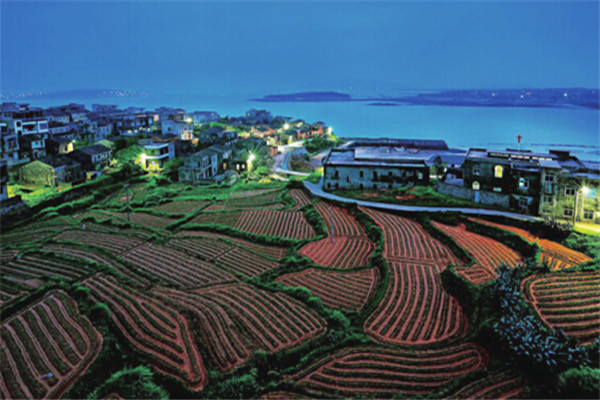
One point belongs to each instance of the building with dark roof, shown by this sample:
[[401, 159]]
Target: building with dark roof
[[92, 158]]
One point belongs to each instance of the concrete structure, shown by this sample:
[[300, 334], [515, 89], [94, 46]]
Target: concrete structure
[[200, 167], [51, 171], [184, 131], [553, 184], [3, 179], [92, 158], [157, 154], [32, 147], [383, 163], [200, 117], [59, 145]]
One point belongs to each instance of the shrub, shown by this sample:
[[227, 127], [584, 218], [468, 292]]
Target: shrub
[[131, 383], [579, 383]]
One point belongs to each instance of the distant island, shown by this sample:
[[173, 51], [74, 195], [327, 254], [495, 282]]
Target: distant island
[[547, 98], [74, 94]]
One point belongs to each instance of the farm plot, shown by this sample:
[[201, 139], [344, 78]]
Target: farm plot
[[228, 218], [18, 238], [286, 224], [180, 207], [245, 263], [502, 385], [11, 290], [344, 224], [176, 267], [253, 193], [45, 348], [475, 273], [201, 247], [238, 319], [227, 207], [112, 242], [142, 219], [267, 250], [300, 197], [569, 301], [555, 254], [416, 309], [345, 252], [154, 329], [87, 255], [406, 239], [341, 290], [36, 266], [380, 372], [488, 253]]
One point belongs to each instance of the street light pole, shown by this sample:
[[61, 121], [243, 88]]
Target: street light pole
[[126, 187]]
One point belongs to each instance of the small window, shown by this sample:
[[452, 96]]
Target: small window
[[328, 185], [548, 199], [476, 185], [588, 214], [476, 171], [523, 183], [568, 211], [549, 177], [498, 190], [523, 202], [569, 191], [419, 175], [374, 174], [337, 186], [347, 179], [336, 174], [591, 193], [361, 174], [498, 171]]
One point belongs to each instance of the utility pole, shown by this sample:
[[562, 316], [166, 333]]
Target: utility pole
[[575, 208], [331, 220], [126, 187]]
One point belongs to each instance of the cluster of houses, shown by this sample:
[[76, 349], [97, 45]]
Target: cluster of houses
[[555, 184]]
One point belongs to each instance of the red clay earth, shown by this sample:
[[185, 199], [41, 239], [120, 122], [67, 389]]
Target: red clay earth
[[488, 253], [503, 385], [416, 309], [267, 250], [45, 348], [350, 247], [237, 319], [176, 267], [569, 301], [154, 329], [557, 255], [300, 197], [383, 372], [407, 240], [285, 224], [340, 290]]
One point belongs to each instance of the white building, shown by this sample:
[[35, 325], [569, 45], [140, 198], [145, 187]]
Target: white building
[[181, 129]]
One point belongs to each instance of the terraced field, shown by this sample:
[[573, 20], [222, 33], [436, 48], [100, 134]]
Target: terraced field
[[45, 348], [416, 309], [381, 372], [503, 385], [555, 254], [154, 329], [35, 266], [406, 239], [237, 319], [341, 290], [569, 301], [142, 219], [300, 197], [488, 253], [285, 224], [350, 246], [180, 207], [110, 241], [176, 267], [267, 250]]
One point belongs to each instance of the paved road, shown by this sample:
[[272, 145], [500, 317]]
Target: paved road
[[316, 189]]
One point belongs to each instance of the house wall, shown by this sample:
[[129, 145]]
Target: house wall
[[487, 198], [354, 177]]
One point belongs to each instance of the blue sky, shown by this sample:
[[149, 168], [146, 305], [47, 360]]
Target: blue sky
[[257, 48]]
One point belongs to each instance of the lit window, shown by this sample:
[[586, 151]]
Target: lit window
[[591, 193], [498, 190], [588, 214], [569, 191], [523, 183], [476, 171], [498, 171], [568, 211], [476, 185]]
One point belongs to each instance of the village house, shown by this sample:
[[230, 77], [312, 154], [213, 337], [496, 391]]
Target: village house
[[200, 167], [59, 145], [554, 184], [200, 117], [92, 158], [184, 131], [383, 163], [51, 171], [156, 154], [32, 147]]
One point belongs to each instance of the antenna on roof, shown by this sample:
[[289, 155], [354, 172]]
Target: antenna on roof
[[519, 137]]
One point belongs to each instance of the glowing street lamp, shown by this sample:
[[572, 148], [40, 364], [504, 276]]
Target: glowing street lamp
[[286, 126], [585, 190], [251, 158]]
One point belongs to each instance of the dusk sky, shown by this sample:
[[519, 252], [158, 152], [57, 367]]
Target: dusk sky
[[272, 47]]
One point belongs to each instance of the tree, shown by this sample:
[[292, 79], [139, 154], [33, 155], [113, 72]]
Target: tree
[[171, 168]]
